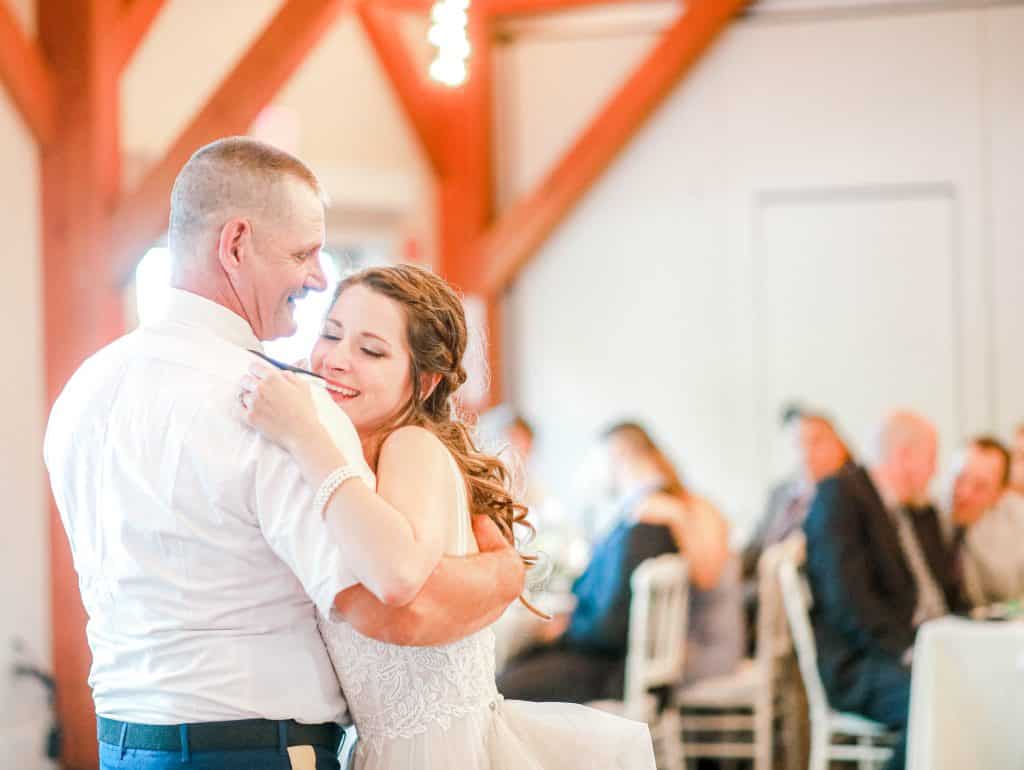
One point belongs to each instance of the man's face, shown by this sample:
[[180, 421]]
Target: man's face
[[1017, 464], [918, 460], [821, 451], [978, 485], [284, 263]]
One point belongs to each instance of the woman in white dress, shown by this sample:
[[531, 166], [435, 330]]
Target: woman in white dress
[[393, 344]]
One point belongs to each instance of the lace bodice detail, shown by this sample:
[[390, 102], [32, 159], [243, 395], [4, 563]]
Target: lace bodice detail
[[400, 692]]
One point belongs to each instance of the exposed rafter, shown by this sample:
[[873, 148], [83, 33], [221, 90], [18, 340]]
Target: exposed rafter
[[416, 96], [253, 83], [27, 76], [507, 247], [532, 7], [133, 25]]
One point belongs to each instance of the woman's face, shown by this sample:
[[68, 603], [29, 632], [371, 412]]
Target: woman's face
[[362, 347]]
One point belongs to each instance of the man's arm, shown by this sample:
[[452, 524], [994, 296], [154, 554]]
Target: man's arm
[[462, 596]]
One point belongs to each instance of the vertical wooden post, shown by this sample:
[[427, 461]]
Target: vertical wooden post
[[465, 186], [82, 307]]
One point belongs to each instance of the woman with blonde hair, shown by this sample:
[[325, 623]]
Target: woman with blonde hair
[[392, 350]]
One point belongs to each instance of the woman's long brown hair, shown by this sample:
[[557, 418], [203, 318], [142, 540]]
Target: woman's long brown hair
[[437, 336]]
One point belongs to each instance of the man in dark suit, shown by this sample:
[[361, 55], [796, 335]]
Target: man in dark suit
[[878, 567], [822, 453]]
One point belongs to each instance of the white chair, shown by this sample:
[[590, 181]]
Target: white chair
[[750, 700], [831, 730], [657, 632]]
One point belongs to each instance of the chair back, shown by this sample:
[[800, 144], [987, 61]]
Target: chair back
[[796, 596], [657, 629], [773, 637]]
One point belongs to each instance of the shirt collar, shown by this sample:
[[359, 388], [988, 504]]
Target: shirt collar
[[190, 309]]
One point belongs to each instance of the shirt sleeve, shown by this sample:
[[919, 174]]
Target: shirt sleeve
[[291, 526]]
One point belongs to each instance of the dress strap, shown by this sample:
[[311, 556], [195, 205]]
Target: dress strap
[[462, 526]]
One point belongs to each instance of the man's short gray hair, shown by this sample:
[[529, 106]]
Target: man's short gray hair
[[897, 430], [235, 176]]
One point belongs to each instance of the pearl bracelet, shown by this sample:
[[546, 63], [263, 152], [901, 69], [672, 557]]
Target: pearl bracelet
[[330, 485]]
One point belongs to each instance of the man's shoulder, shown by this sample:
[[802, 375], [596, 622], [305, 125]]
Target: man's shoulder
[[847, 491]]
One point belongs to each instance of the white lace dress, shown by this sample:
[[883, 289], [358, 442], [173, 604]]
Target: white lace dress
[[430, 708]]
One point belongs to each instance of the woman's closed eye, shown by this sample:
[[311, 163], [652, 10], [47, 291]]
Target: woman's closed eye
[[373, 353], [330, 337]]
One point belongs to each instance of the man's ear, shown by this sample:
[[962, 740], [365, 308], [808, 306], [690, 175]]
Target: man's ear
[[428, 381], [234, 244]]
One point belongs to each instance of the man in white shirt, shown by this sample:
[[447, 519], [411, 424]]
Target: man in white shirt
[[201, 558], [988, 524]]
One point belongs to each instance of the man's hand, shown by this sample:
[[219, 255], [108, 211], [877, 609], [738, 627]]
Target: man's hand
[[490, 540], [463, 595]]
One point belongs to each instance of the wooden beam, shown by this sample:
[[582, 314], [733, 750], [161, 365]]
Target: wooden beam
[[415, 94], [495, 350], [509, 245], [27, 76], [135, 21], [465, 190], [406, 6], [266, 67], [495, 8], [79, 173]]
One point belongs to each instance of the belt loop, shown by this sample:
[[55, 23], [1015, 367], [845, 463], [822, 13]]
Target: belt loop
[[282, 736], [186, 754], [124, 735]]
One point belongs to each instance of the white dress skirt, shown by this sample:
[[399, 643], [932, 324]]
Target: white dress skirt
[[436, 708]]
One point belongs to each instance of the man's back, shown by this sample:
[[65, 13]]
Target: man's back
[[188, 535]]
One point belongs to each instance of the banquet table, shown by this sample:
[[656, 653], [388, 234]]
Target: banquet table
[[967, 696]]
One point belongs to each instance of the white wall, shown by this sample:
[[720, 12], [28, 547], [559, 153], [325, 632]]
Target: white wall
[[828, 209], [24, 548]]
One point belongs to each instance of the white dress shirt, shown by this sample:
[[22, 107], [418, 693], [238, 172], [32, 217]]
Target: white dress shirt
[[200, 558]]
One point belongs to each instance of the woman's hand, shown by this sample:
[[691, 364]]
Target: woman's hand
[[279, 405]]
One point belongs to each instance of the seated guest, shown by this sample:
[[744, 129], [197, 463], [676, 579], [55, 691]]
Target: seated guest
[[520, 436], [988, 524], [822, 453], [582, 656], [878, 568], [1017, 462]]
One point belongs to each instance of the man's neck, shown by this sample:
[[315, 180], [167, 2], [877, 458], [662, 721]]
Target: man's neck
[[888, 490], [220, 292]]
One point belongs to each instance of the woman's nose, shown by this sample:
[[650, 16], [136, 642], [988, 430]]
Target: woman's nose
[[339, 358]]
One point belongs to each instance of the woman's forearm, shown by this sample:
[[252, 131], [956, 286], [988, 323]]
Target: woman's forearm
[[380, 544]]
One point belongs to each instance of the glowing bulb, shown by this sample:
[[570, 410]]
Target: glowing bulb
[[451, 72], [448, 34]]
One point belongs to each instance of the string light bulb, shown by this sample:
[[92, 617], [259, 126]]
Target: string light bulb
[[448, 34]]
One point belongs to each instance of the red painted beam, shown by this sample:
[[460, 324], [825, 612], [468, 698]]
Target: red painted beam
[[406, 6], [465, 188], [509, 245], [79, 179], [135, 21], [495, 350], [266, 67], [416, 95], [27, 76], [495, 8]]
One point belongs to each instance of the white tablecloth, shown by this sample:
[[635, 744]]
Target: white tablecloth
[[967, 696]]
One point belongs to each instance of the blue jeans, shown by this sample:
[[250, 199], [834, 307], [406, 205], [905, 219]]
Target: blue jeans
[[114, 757]]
